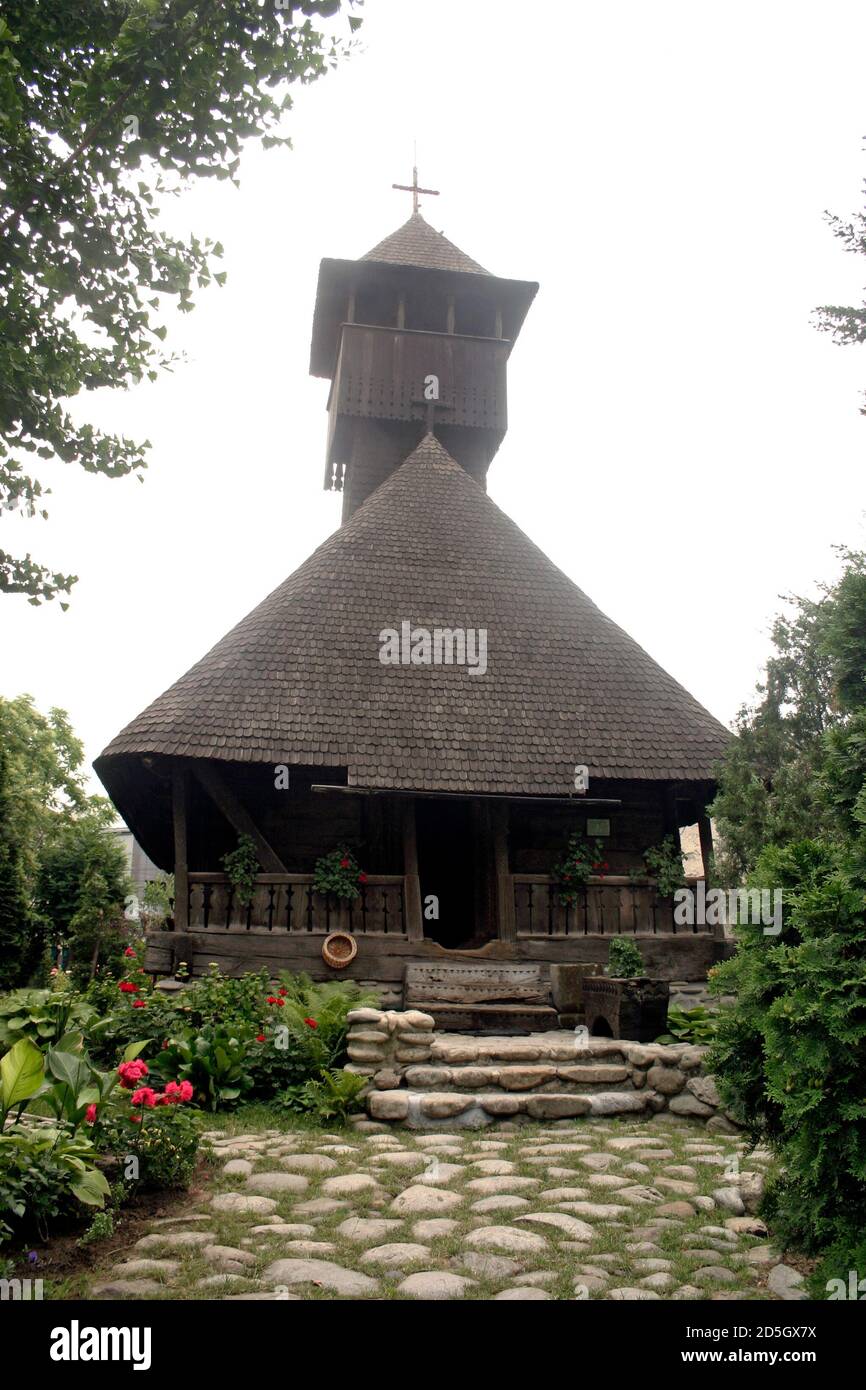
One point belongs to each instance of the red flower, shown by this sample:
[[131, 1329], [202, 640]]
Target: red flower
[[362, 878], [127, 987], [144, 1096], [344, 863], [272, 999], [90, 1114], [131, 1073], [280, 1003], [260, 1037], [165, 1044], [129, 952], [311, 1023], [139, 1004], [283, 990], [136, 1119], [186, 1090]]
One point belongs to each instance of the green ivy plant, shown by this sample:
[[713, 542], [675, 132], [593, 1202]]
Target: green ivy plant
[[624, 960], [338, 873], [241, 866], [580, 860], [665, 864]]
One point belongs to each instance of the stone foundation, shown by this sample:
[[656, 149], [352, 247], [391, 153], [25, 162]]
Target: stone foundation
[[423, 1079]]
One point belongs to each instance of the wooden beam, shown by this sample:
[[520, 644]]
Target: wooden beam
[[504, 881], [579, 802], [237, 816], [179, 804], [705, 832], [414, 919]]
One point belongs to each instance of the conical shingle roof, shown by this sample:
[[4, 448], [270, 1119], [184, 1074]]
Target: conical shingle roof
[[416, 243], [300, 681]]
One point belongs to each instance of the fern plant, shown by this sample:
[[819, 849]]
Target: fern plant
[[333, 1095]]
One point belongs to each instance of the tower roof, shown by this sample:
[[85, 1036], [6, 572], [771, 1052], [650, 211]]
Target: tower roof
[[416, 243], [299, 680]]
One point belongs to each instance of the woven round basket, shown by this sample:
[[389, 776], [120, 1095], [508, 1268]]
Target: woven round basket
[[339, 949]]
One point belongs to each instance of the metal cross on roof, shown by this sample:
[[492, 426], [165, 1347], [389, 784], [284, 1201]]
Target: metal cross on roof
[[414, 189]]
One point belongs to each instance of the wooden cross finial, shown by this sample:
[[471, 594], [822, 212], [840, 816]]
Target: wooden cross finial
[[414, 189]]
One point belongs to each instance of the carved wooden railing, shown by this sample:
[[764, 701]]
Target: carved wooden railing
[[613, 906], [288, 902]]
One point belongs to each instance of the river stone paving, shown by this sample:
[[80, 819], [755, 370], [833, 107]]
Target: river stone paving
[[580, 1210]]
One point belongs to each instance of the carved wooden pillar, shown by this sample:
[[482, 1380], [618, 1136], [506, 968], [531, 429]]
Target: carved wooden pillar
[[180, 804], [504, 883], [414, 920]]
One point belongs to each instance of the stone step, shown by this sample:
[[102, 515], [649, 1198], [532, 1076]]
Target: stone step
[[571, 1076], [491, 1018], [541, 1048], [473, 1110]]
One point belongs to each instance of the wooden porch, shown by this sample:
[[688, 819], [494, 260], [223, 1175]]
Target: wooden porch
[[389, 906]]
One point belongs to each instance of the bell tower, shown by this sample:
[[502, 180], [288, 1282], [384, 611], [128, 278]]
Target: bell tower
[[413, 336]]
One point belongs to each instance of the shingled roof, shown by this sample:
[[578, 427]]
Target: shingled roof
[[417, 243], [299, 680]]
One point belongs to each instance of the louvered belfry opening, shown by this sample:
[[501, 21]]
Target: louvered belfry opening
[[307, 727]]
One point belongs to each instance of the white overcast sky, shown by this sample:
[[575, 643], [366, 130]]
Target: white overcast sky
[[682, 442]]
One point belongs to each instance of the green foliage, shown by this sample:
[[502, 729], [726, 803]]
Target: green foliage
[[697, 1025], [580, 860], [338, 873], [101, 1227], [772, 782], [665, 864], [790, 1057], [164, 1141], [45, 1172], [60, 874], [106, 106], [241, 866], [624, 960], [333, 1095], [81, 891], [16, 927], [157, 902], [214, 1061]]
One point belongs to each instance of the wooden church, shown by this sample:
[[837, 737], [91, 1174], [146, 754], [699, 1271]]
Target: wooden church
[[429, 685]]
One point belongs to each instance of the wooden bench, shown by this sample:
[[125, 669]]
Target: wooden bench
[[492, 998]]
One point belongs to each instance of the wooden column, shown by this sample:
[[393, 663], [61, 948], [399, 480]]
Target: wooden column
[[401, 310], [705, 832], [179, 804], [504, 882], [412, 889], [451, 315]]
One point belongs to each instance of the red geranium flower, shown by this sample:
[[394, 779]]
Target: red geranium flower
[[129, 952], [186, 1090], [145, 1095], [283, 990], [139, 1004], [344, 863], [260, 1037], [127, 987], [362, 878], [90, 1114], [131, 1073], [272, 999], [311, 1023]]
